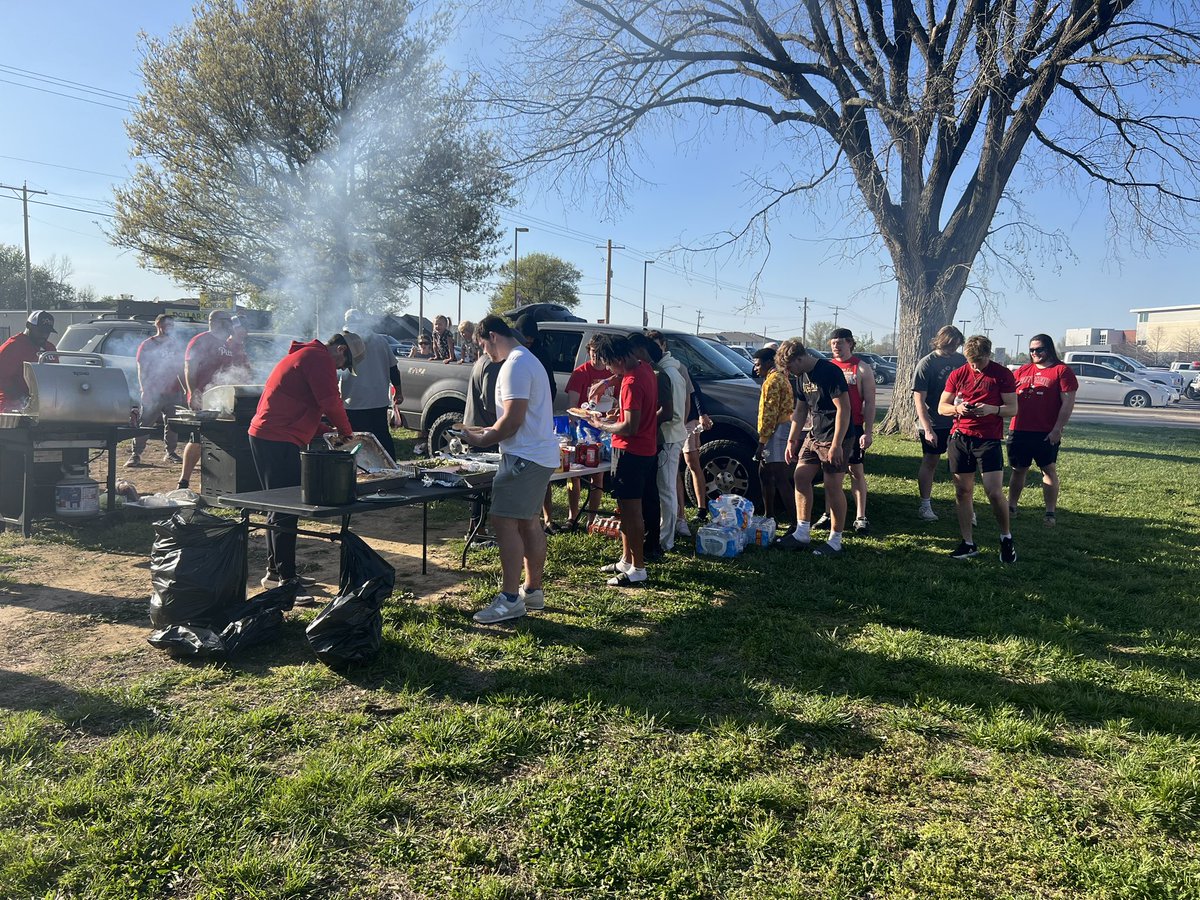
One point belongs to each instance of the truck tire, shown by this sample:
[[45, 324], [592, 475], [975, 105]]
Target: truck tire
[[729, 468], [439, 431]]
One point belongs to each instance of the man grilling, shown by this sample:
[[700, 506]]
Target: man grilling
[[206, 355], [160, 379], [18, 350], [301, 388]]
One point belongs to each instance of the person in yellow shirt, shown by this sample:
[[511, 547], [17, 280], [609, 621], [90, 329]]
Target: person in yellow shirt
[[775, 405]]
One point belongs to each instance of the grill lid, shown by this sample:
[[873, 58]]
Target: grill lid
[[77, 392]]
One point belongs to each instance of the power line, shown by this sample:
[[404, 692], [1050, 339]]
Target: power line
[[65, 82], [32, 87], [90, 212], [57, 166]]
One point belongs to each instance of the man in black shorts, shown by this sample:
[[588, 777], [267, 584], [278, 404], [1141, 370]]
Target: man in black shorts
[[826, 450], [933, 427], [978, 396]]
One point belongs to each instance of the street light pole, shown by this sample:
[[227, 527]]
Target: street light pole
[[965, 323], [646, 263], [1017, 347], [517, 232]]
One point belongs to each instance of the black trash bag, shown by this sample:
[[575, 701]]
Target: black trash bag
[[250, 631], [197, 570], [188, 640], [350, 629]]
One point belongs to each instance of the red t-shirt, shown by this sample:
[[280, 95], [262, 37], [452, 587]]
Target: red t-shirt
[[1039, 395], [584, 377], [639, 390], [206, 355], [983, 387], [14, 353], [302, 386], [850, 370], [160, 366]]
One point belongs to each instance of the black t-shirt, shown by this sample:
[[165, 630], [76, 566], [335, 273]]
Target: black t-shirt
[[481, 393], [828, 382], [931, 375]]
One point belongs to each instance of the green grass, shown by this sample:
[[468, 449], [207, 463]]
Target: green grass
[[888, 724]]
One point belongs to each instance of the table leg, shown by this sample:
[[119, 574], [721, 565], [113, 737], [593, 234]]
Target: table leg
[[476, 528], [424, 536], [112, 474], [245, 546], [27, 495]]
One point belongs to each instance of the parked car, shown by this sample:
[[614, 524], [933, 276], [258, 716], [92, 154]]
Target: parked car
[[1186, 368], [885, 372], [1103, 384], [1129, 366], [743, 363], [1192, 391], [435, 397]]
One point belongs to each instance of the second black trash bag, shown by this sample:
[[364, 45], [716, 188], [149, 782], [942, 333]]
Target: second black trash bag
[[350, 629], [197, 569]]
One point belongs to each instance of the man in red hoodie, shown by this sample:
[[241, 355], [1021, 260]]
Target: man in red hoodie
[[301, 388]]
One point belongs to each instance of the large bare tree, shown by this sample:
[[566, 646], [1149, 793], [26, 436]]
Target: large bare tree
[[925, 108]]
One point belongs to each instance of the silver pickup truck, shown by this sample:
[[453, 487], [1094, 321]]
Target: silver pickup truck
[[435, 397]]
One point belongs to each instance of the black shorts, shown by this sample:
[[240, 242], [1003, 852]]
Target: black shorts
[[967, 453], [1026, 447], [816, 453], [633, 474], [856, 454], [941, 439]]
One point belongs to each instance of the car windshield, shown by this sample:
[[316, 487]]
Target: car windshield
[[703, 360]]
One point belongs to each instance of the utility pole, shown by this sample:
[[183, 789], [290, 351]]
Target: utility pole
[[964, 323], [25, 192], [1017, 347], [836, 310], [608, 280], [459, 301], [987, 332], [699, 316], [804, 320], [646, 263]]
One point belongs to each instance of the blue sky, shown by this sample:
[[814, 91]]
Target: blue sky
[[77, 150]]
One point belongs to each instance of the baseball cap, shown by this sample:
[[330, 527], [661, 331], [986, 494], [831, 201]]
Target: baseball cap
[[39, 318], [354, 344]]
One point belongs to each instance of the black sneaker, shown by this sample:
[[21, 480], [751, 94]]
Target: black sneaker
[[1008, 550], [822, 522], [965, 551]]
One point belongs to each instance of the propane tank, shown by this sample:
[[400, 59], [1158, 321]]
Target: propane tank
[[76, 496]]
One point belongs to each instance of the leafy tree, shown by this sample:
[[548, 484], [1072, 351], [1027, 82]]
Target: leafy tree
[[922, 112], [541, 278], [47, 283], [817, 336], [311, 151]]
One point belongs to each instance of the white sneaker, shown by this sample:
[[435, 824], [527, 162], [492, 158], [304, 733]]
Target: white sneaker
[[535, 600], [501, 610], [926, 514], [974, 521], [681, 528]]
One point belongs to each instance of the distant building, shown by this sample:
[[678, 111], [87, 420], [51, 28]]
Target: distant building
[[1168, 329], [1114, 339], [743, 339]]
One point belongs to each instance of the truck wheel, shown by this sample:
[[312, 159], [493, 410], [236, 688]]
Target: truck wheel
[[439, 435], [1191, 393], [1137, 399], [729, 468]]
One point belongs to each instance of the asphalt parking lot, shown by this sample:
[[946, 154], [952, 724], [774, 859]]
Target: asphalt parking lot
[[1184, 414]]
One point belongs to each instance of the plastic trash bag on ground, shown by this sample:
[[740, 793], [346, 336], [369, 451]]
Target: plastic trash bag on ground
[[350, 629], [258, 620], [188, 640], [197, 570]]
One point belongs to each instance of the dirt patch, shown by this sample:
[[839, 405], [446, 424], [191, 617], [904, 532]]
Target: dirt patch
[[81, 616]]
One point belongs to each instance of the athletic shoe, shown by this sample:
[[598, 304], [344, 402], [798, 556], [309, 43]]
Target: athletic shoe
[[862, 526], [632, 578], [418, 450], [1008, 550], [172, 457], [682, 529], [822, 522], [1049, 519], [271, 580], [501, 610], [134, 462], [964, 551], [974, 521], [926, 514], [535, 599]]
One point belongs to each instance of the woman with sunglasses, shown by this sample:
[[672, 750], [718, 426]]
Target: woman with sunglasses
[[422, 349], [1046, 389]]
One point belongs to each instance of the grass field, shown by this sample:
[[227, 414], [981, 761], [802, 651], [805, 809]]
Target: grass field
[[888, 724]]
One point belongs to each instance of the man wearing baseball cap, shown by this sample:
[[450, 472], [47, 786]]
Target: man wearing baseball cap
[[18, 350]]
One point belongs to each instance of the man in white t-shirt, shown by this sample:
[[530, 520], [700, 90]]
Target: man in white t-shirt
[[374, 385], [528, 457]]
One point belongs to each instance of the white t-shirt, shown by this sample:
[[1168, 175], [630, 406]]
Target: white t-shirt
[[522, 377], [369, 387]]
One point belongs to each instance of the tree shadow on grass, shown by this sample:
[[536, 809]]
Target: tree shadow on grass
[[95, 713]]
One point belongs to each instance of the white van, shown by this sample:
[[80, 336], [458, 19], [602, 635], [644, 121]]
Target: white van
[[1130, 366]]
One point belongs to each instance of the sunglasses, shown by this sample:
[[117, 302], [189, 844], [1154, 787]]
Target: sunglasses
[[1038, 350]]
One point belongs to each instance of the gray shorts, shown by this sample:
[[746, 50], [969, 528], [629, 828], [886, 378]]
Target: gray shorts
[[519, 488]]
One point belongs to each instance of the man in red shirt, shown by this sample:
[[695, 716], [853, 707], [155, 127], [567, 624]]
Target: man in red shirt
[[1046, 391], [301, 388], [206, 355], [160, 379], [579, 387], [979, 395], [860, 382], [18, 350], [634, 428]]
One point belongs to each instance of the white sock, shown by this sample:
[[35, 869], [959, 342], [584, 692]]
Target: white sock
[[803, 530], [835, 540], [927, 501], [1005, 537]]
